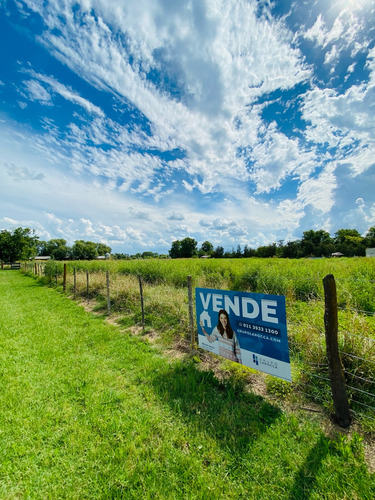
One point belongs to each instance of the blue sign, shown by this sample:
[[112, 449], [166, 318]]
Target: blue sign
[[248, 328]]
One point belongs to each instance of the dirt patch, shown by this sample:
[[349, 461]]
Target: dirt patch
[[370, 455]]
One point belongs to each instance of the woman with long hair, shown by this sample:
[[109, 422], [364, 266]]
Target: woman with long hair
[[228, 343]]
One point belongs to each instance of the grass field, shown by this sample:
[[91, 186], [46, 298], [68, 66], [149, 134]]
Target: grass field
[[301, 281], [89, 411]]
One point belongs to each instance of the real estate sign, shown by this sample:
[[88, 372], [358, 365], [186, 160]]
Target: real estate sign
[[249, 328]]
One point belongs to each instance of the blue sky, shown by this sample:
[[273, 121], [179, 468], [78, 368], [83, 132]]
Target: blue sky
[[139, 122]]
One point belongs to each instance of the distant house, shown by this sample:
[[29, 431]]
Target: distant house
[[370, 252], [337, 254], [42, 257], [104, 257]]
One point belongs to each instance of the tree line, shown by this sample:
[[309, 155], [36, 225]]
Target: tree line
[[23, 244], [319, 243]]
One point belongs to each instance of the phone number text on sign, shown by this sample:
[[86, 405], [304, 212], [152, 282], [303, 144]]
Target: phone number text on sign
[[258, 328]]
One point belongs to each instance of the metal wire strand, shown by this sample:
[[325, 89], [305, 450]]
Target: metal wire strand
[[363, 404], [360, 390], [360, 378], [317, 376], [357, 357], [345, 332]]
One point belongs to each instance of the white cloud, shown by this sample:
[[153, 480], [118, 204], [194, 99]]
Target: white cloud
[[176, 216], [220, 55], [36, 92], [319, 191]]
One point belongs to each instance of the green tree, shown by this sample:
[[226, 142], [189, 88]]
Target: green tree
[[56, 248], [19, 244], [218, 252], [188, 247], [370, 238], [84, 250], [267, 251], [175, 251], [350, 242], [316, 243], [102, 249], [248, 252], [206, 248], [149, 255], [292, 250]]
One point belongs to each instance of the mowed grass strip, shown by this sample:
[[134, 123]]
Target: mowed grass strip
[[88, 411]]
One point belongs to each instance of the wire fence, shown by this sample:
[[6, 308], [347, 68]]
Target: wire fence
[[165, 308]]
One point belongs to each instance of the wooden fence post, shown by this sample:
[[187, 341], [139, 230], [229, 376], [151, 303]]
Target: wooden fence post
[[191, 312], [74, 283], [142, 304], [64, 277], [336, 371], [108, 297], [87, 285]]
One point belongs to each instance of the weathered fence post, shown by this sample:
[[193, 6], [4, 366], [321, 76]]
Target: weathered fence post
[[87, 285], [108, 297], [64, 277], [142, 304], [35, 268], [56, 274], [336, 371], [74, 283], [191, 312]]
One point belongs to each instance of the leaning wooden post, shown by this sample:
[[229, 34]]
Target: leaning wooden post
[[74, 283], [35, 268], [64, 277], [336, 371], [191, 312], [108, 297], [142, 304]]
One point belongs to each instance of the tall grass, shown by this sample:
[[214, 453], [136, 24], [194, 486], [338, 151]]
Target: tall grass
[[299, 279]]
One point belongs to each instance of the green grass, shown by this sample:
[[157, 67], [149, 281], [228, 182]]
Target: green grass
[[166, 310], [89, 411]]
